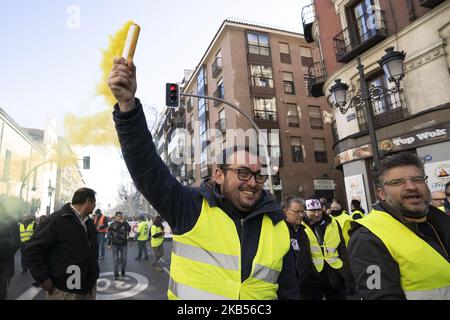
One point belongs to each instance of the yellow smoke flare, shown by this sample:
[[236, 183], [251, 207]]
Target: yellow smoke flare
[[98, 129]]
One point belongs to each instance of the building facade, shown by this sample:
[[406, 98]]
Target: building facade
[[414, 119], [264, 72]]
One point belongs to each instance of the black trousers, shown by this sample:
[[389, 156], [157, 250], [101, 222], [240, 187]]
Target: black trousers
[[23, 261], [142, 246]]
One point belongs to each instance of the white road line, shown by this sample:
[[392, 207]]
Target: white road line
[[30, 293]]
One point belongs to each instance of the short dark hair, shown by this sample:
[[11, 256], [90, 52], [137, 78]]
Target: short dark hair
[[118, 212], [447, 185], [228, 152], [396, 160], [356, 203], [81, 195]]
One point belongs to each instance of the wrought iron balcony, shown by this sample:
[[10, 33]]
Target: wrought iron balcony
[[388, 106], [308, 17], [221, 125], [219, 93], [430, 3], [265, 115], [368, 30], [317, 77], [217, 67]]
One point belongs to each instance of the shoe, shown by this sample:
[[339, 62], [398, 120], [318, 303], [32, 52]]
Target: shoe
[[123, 273], [158, 269], [137, 258], [101, 258], [116, 276]]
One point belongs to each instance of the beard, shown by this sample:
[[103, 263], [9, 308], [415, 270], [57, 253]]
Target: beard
[[408, 212]]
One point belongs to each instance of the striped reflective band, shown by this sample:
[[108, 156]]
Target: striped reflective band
[[221, 260], [265, 274], [186, 292], [432, 294], [330, 250], [331, 260], [317, 261], [315, 249]]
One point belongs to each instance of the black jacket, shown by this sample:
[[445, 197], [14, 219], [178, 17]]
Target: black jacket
[[180, 206], [9, 244], [307, 275], [366, 249], [118, 233], [61, 242]]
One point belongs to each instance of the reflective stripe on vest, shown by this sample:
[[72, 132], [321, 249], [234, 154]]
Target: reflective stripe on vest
[[156, 242], [206, 261], [424, 273], [25, 234], [331, 242]]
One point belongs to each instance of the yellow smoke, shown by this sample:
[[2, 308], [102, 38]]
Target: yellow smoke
[[98, 129]]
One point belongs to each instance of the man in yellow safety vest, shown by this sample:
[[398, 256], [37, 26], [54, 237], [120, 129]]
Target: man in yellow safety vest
[[26, 232]]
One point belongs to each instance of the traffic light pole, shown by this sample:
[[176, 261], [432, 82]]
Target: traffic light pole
[[269, 166]]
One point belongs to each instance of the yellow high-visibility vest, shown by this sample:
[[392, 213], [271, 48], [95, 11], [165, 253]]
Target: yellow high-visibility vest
[[342, 218], [442, 208], [156, 242], [25, 234], [143, 231], [206, 261], [330, 244], [424, 273]]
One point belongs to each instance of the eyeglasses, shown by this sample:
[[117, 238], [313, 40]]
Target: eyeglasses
[[297, 212], [402, 181], [245, 174], [440, 199]]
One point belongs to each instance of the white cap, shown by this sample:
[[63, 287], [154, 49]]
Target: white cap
[[313, 204]]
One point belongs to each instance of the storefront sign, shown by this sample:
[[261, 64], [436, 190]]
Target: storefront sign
[[324, 184], [361, 152]]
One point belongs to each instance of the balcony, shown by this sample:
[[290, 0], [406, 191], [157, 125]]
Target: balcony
[[217, 67], [430, 3], [368, 30], [308, 17], [219, 94], [317, 77], [221, 125], [265, 115], [388, 108], [189, 105]]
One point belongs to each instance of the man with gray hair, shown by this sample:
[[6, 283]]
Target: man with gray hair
[[401, 249]]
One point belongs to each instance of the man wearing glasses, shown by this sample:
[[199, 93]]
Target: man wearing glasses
[[230, 239], [401, 249]]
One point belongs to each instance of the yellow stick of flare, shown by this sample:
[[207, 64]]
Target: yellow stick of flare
[[131, 42]]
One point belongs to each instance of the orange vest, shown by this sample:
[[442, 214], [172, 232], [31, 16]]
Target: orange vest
[[100, 222]]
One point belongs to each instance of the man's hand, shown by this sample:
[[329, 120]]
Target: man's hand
[[47, 285], [122, 82]]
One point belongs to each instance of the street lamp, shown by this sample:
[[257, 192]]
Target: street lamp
[[392, 64]]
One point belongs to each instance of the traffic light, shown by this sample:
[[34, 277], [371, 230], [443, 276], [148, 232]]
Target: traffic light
[[86, 163], [172, 95]]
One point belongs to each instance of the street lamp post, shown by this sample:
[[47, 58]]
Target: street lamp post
[[392, 64]]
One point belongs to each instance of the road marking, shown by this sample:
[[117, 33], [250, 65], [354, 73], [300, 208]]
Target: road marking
[[142, 284], [30, 293]]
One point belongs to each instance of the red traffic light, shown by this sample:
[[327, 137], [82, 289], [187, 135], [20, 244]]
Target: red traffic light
[[172, 95]]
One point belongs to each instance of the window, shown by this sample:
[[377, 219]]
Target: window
[[262, 76], [7, 165], [306, 83], [288, 82], [220, 89], [315, 117], [320, 150], [273, 143], [361, 16], [285, 54], [265, 109], [258, 44], [296, 149], [307, 57], [292, 115]]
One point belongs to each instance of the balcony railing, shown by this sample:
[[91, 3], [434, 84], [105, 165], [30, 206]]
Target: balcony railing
[[367, 31], [221, 125], [265, 115], [317, 77], [217, 67], [430, 3], [388, 107], [219, 94], [308, 17]]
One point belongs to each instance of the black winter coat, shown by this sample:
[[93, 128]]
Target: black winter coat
[[62, 242], [181, 206]]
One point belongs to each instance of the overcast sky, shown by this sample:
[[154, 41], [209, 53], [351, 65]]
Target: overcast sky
[[50, 59]]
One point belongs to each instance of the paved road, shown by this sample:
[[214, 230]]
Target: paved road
[[142, 282]]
